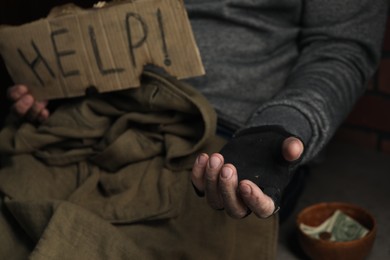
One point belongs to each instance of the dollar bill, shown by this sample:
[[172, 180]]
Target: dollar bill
[[339, 227]]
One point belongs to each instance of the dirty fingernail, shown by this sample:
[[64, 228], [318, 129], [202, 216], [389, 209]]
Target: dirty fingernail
[[202, 159], [226, 173], [245, 189], [215, 162]]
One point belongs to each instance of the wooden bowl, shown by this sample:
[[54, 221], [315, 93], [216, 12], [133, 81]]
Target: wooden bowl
[[318, 249]]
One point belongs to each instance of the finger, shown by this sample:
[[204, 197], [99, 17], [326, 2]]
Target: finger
[[213, 169], [16, 92], [228, 184], [23, 105], [198, 172], [35, 110], [260, 204], [43, 115], [292, 149]]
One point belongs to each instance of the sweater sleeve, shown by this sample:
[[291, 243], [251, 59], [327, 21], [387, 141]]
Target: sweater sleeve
[[340, 45]]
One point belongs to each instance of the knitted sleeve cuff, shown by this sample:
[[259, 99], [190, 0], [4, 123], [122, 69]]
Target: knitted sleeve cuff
[[286, 117]]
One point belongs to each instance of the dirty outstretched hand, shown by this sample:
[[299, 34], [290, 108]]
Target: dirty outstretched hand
[[219, 182]]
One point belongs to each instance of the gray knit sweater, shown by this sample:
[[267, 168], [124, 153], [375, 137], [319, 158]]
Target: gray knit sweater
[[301, 64]]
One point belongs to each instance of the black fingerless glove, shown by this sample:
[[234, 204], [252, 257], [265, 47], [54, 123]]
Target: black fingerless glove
[[257, 155]]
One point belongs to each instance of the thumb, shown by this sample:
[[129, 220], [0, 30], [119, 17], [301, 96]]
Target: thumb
[[292, 149]]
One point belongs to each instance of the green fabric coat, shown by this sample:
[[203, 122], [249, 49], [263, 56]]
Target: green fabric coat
[[107, 177]]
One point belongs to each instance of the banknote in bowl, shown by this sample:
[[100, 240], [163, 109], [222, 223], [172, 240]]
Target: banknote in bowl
[[336, 230]]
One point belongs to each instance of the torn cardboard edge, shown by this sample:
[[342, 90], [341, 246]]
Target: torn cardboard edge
[[105, 48]]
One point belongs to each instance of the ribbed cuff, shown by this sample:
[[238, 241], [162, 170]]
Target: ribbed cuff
[[287, 117]]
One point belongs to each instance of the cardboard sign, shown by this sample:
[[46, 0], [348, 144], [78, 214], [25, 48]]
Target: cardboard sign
[[106, 48]]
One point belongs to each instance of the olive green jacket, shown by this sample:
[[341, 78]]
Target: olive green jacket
[[107, 177]]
